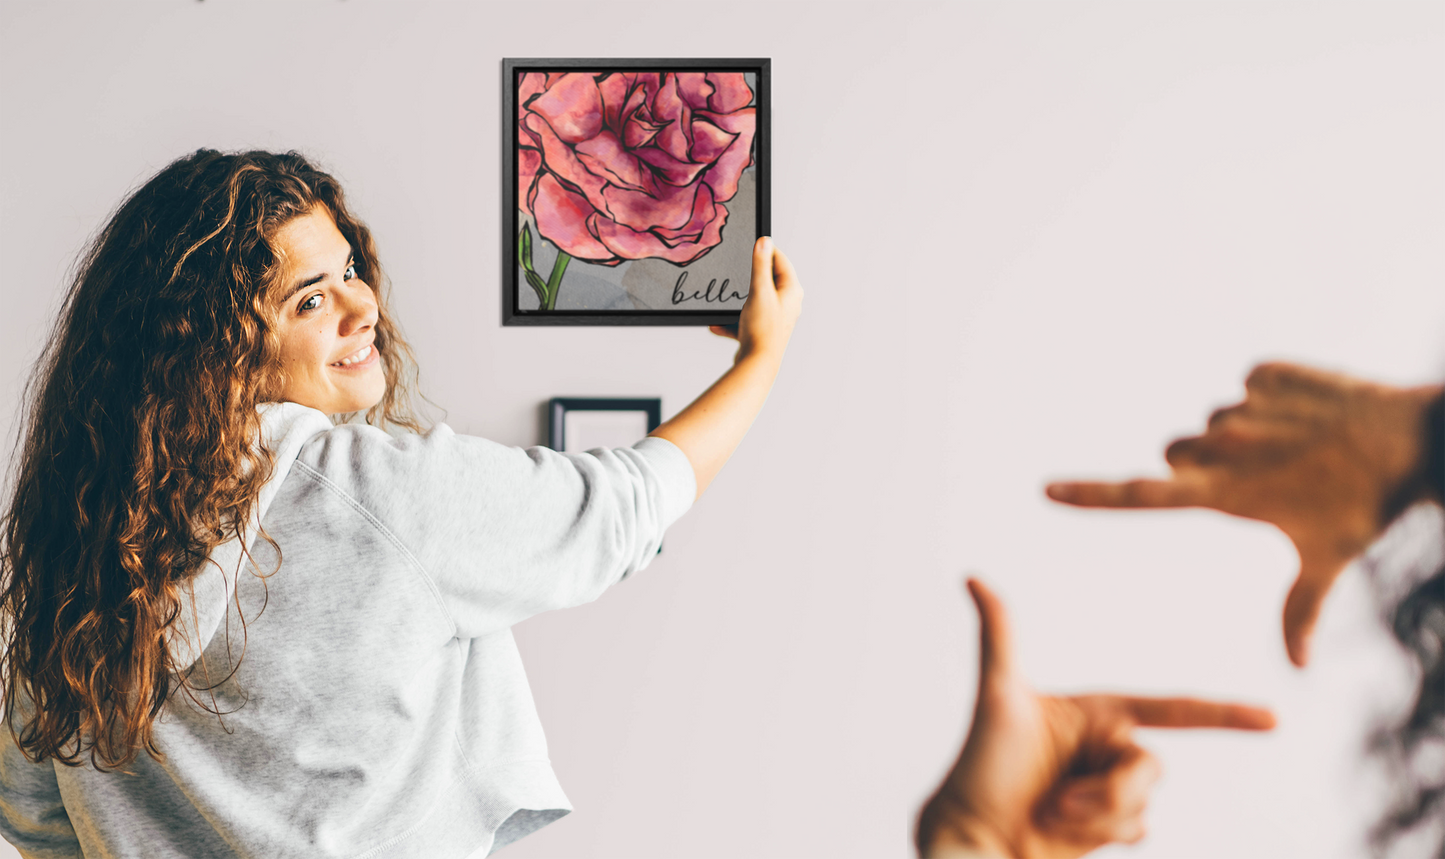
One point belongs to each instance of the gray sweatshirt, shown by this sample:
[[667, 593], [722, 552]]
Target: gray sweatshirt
[[380, 709]]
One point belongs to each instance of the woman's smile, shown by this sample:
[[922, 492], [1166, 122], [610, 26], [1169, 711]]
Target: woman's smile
[[358, 360]]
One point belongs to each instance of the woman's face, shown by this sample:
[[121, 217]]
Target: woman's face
[[326, 319]]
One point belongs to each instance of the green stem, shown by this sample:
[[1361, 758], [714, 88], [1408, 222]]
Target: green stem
[[554, 280]]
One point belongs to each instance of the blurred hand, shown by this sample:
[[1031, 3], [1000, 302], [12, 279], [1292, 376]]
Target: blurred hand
[[1048, 776], [1327, 459], [775, 299]]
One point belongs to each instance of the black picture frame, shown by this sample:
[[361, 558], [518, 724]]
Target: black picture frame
[[512, 280], [558, 407]]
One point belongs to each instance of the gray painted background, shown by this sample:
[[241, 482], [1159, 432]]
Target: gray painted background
[[1038, 240]]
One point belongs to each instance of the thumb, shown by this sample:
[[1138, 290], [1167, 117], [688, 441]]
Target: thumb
[[995, 644], [1302, 607], [762, 265]]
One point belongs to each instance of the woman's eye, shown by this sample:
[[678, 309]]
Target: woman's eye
[[350, 272], [310, 304]]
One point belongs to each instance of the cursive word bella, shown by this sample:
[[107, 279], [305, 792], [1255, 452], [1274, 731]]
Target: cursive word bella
[[679, 295]]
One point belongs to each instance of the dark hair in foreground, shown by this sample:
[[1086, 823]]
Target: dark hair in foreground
[[1418, 623], [138, 456]]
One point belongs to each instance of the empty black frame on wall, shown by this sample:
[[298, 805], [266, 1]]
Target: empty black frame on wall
[[558, 408], [632, 189]]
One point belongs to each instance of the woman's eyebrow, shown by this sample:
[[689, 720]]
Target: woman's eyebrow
[[302, 285], [317, 279]]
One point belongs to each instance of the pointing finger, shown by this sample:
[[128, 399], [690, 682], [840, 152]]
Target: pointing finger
[[1195, 713], [1129, 494]]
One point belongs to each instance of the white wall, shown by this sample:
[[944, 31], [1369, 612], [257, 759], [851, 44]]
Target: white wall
[[1038, 240]]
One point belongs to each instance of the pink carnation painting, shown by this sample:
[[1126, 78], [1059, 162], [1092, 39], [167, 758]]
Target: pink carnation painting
[[629, 179]]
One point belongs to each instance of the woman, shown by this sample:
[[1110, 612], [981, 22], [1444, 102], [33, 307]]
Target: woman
[[1328, 459], [234, 627]]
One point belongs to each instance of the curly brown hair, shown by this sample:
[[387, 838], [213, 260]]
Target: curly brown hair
[[138, 453], [1416, 811]]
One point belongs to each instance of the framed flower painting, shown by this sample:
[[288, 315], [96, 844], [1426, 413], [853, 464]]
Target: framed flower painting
[[633, 190]]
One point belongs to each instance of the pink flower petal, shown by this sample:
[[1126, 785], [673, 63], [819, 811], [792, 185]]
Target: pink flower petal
[[605, 156], [526, 136], [667, 106], [694, 89], [669, 169], [724, 174], [708, 141], [532, 83], [632, 244], [614, 90], [572, 106], [648, 82], [670, 207], [730, 92], [529, 161], [704, 211], [559, 159], [637, 110], [639, 133], [639, 90], [562, 217]]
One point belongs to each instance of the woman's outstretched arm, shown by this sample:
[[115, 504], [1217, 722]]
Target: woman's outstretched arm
[[710, 429]]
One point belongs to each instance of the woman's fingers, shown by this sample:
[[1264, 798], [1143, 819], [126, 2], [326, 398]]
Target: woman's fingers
[[785, 277], [1130, 493], [1195, 713], [1282, 378], [1122, 790], [1194, 450], [728, 331], [1109, 805], [1091, 831], [1229, 413]]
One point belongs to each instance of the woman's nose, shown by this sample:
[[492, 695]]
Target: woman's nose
[[359, 305]]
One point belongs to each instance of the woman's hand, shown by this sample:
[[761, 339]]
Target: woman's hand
[[713, 425], [775, 299], [1327, 459], [1048, 776]]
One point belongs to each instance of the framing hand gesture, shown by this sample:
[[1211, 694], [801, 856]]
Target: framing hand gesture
[[1327, 459], [1050, 776]]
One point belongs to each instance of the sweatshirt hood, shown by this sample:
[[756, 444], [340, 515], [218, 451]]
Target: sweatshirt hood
[[285, 429]]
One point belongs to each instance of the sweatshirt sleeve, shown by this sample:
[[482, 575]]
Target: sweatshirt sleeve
[[505, 533], [32, 815]]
